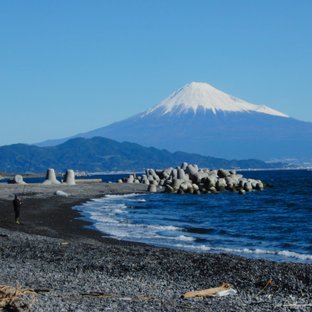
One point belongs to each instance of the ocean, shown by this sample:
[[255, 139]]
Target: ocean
[[273, 224]]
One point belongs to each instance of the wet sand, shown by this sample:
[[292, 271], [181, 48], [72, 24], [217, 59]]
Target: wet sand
[[52, 250]]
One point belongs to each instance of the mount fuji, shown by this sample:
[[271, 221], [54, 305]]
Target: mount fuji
[[199, 118]]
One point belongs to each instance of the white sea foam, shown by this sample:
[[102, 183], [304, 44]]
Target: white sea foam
[[107, 213], [121, 196], [185, 238], [109, 216], [285, 253], [163, 227]]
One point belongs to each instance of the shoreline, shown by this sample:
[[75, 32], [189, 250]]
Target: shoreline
[[44, 213], [53, 250]]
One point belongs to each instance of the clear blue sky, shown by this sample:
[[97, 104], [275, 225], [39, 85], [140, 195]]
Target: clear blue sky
[[72, 66]]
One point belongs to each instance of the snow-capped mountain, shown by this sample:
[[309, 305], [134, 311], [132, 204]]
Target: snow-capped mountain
[[202, 96], [201, 119]]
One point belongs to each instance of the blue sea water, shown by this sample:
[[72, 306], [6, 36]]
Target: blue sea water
[[274, 224]]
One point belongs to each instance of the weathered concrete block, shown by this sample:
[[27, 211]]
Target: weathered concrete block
[[51, 178], [18, 179], [70, 177], [176, 183], [152, 188], [61, 193]]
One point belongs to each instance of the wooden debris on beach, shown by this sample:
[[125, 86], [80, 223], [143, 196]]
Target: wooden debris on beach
[[265, 285], [102, 295], [294, 305], [223, 290], [17, 298]]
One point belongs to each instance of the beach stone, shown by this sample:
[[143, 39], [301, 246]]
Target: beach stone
[[61, 193], [18, 179], [51, 178], [70, 177], [119, 181]]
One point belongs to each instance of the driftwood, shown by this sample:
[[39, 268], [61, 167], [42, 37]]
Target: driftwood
[[268, 283], [210, 292], [294, 305], [17, 298], [101, 295], [97, 295]]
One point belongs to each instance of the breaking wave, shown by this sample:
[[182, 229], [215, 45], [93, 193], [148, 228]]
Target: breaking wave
[[253, 226]]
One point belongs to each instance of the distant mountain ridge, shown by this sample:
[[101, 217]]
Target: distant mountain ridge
[[199, 118], [102, 155]]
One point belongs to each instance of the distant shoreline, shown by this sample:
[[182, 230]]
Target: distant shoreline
[[4, 175]]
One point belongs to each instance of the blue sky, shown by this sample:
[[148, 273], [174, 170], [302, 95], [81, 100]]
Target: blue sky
[[72, 66]]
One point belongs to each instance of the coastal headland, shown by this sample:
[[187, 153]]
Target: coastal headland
[[75, 268]]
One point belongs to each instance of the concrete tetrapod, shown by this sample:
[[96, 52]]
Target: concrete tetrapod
[[189, 178], [51, 178], [70, 177]]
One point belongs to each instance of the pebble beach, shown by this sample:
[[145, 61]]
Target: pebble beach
[[74, 268]]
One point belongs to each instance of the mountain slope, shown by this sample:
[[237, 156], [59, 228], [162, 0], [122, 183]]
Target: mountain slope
[[198, 118], [101, 154]]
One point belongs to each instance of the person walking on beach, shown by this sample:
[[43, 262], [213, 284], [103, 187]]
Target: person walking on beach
[[17, 203]]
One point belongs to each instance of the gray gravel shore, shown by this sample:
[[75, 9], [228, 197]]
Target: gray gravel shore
[[80, 270]]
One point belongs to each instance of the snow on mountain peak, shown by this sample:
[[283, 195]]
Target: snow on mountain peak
[[199, 95]]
